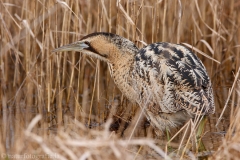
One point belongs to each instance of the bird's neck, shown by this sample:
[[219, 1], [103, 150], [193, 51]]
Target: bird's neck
[[122, 62], [121, 70]]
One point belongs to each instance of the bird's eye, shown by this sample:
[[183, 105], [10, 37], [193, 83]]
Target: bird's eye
[[87, 43]]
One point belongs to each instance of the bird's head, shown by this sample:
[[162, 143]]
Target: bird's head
[[103, 46]]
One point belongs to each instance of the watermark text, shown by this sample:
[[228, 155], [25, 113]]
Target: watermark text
[[29, 156]]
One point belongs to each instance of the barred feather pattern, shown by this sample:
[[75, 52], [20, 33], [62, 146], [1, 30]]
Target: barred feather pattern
[[170, 82], [176, 78], [173, 84]]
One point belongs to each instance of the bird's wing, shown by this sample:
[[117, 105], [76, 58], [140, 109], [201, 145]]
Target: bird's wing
[[177, 78]]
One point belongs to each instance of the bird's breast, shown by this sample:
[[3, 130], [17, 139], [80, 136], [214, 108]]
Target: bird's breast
[[127, 84]]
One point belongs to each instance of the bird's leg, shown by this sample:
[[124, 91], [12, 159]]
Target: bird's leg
[[199, 134]]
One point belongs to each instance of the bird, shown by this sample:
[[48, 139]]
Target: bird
[[168, 81]]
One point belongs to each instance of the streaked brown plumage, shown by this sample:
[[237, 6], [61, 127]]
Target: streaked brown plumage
[[168, 80]]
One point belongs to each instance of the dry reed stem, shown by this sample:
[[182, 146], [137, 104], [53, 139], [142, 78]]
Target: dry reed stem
[[230, 93]]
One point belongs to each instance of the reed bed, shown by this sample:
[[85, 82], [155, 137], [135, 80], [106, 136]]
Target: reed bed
[[66, 106]]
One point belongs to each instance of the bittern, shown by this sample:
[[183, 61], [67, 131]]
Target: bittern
[[168, 80]]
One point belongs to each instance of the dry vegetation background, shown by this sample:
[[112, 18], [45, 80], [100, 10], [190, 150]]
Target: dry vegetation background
[[75, 96]]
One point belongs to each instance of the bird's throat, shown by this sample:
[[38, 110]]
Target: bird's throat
[[121, 72]]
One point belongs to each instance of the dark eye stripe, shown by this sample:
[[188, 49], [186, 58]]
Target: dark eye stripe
[[90, 48], [87, 43]]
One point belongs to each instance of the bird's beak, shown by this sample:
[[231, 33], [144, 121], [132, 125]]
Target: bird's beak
[[76, 46]]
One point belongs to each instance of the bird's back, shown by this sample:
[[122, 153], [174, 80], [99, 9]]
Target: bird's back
[[172, 79]]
